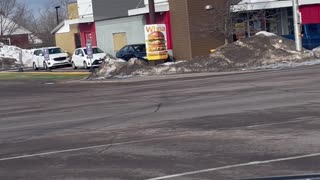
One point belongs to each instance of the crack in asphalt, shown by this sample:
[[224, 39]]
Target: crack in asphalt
[[158, 107]]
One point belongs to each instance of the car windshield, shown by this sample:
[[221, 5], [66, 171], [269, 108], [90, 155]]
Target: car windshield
[[55, 51], [94, 50], [140, 48]]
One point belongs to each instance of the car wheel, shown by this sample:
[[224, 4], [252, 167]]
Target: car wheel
[[85, 66], [73, 65], [45, 66], [35, 67]]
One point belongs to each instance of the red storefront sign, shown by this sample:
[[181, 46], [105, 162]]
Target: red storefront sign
[[310, 14]]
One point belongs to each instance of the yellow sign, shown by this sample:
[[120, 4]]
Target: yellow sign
[[156, 42]]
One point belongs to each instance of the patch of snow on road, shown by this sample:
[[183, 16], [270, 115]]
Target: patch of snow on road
[[283, 65]]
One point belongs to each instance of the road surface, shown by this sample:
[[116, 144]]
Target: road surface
[[191, 128]]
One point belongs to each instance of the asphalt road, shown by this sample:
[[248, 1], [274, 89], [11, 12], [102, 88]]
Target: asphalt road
[[191, 128]]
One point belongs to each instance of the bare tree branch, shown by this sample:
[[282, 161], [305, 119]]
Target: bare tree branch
[[45, 22], [12, 15]]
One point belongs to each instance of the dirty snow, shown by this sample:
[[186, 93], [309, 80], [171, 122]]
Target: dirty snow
[[283, 65], [264, 50], [316, 52], [171, 63], [12, 52]]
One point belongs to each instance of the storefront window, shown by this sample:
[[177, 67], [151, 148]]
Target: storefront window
[[313, 29], [273, 20], [290, 21]]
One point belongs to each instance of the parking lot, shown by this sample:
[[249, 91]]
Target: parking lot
[[199, 127]]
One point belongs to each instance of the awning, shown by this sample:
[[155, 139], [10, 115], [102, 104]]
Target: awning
[[65, 25], [161, 7]]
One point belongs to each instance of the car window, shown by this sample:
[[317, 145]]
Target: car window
[[37, 52], [76, 52], [140, 48], [125, 49], [130, 49], [94, 51], [55, 51], [40, 52], [80, 52]]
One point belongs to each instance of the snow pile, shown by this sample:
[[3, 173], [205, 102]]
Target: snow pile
[[7, 63], [261, 50], [12, 52], [283, 65], [120, 68], [316, 52], [265, 33]]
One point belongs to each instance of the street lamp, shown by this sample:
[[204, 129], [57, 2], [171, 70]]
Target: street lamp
[[57, 13], [297, 25], [152, 12]]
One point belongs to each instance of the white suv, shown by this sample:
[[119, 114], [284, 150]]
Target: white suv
[[80, 58], [57, 57]]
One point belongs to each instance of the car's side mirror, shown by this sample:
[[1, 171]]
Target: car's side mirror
[[40, 54]]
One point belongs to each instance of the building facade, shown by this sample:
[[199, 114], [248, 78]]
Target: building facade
[[277, 17], [78, 29], [186, 21], [114, 27], [189, 24]]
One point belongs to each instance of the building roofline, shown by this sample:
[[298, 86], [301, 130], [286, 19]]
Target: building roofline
[[57, 28], [161, 7], [71, 22]]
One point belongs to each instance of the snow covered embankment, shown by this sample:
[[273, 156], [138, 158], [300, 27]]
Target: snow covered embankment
[[9, 57]]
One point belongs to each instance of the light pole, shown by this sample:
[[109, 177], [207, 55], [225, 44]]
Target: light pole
[[297, 25], [152, 12], [57, 13]]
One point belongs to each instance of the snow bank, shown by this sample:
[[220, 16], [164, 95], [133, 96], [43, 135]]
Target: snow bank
[[283, 65], [12, 52], [262, 50], [316, 52]]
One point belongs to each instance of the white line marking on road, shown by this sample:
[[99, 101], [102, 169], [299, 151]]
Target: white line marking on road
[[85, 148], [235, 166]]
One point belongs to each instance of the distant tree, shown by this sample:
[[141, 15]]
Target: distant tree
[[225, 14], [45, 21], [13, 15], [222, 16]]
